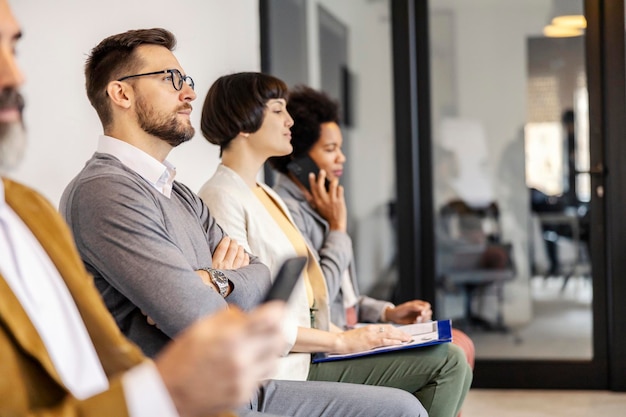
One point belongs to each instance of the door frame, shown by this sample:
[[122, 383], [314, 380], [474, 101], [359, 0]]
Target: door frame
[[612, 124]]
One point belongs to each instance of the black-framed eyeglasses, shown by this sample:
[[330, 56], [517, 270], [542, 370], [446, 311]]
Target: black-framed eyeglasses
[[177, 78]]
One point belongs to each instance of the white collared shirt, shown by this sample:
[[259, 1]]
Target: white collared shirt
[[159, 175], [38, 286]]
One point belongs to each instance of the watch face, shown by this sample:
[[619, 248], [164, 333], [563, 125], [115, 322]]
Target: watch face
[[219, 277], [220, 280]]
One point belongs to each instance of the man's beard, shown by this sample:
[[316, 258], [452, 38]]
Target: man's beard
[[165, 127], [12, 135]]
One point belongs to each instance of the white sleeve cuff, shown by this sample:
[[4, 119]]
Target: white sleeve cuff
[[383, 315], [146, 396]]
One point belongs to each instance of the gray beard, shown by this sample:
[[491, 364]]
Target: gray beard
[[12, 146]]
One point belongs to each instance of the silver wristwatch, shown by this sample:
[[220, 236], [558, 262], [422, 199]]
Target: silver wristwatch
[[219, 279]]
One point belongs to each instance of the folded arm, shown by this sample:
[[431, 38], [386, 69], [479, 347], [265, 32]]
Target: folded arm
[[124, 238]]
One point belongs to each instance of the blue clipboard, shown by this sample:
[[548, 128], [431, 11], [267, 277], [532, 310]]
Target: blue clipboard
[[425, 334]]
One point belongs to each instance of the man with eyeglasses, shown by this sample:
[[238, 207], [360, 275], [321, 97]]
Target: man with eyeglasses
[[158, 257], [135, 227]]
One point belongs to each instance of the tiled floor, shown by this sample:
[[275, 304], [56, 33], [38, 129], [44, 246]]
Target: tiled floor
[[530, 403]]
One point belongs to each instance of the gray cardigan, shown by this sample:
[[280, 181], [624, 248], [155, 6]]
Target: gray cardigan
[[143, 248], [334, 252]]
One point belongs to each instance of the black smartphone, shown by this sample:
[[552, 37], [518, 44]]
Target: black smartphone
[[286, 279], [301, 167]]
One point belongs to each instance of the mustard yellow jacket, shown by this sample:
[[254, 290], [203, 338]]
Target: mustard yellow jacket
[[29, 383]]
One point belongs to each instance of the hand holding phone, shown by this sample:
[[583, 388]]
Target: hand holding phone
[[301, 167], [330, 205]]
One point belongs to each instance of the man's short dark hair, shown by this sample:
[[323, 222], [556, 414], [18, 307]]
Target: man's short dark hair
[[236, 103], [114, 58], [310, 109]]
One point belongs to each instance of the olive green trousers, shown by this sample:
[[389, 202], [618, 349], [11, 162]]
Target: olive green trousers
[[439, 376]]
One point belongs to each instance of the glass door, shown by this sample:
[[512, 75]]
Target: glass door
[[510, 176], [505, 140]]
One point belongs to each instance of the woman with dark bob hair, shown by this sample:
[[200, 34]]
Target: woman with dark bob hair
[[246, 115]]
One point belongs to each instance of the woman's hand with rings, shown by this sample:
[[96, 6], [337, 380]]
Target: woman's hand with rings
[[369, 337]]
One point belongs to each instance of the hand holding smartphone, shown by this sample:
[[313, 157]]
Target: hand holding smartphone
[[330, 207], [301, 167]]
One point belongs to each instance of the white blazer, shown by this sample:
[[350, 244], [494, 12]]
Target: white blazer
[[244, 218]]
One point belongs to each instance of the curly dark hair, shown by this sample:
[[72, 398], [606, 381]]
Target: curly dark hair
[[310, 109], [236, 103], [113, 58]]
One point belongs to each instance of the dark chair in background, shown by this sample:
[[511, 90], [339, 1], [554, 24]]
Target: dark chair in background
[[473, 259]]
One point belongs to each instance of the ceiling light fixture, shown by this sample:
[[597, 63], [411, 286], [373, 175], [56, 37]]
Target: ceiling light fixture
[[565, 19], [558, 31], [573, 20]]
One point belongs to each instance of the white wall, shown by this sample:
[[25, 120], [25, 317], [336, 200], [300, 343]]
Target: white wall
[[214, 37], [371, 162]]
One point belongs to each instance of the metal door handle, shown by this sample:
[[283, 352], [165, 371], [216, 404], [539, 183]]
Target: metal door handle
[[598, 169]]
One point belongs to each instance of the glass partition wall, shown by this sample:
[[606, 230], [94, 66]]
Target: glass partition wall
[[510, 152]]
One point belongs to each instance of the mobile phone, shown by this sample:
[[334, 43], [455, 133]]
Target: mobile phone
[[286, 279], [301, 167]]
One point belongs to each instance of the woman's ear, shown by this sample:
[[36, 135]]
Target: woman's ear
[[121, 94]]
